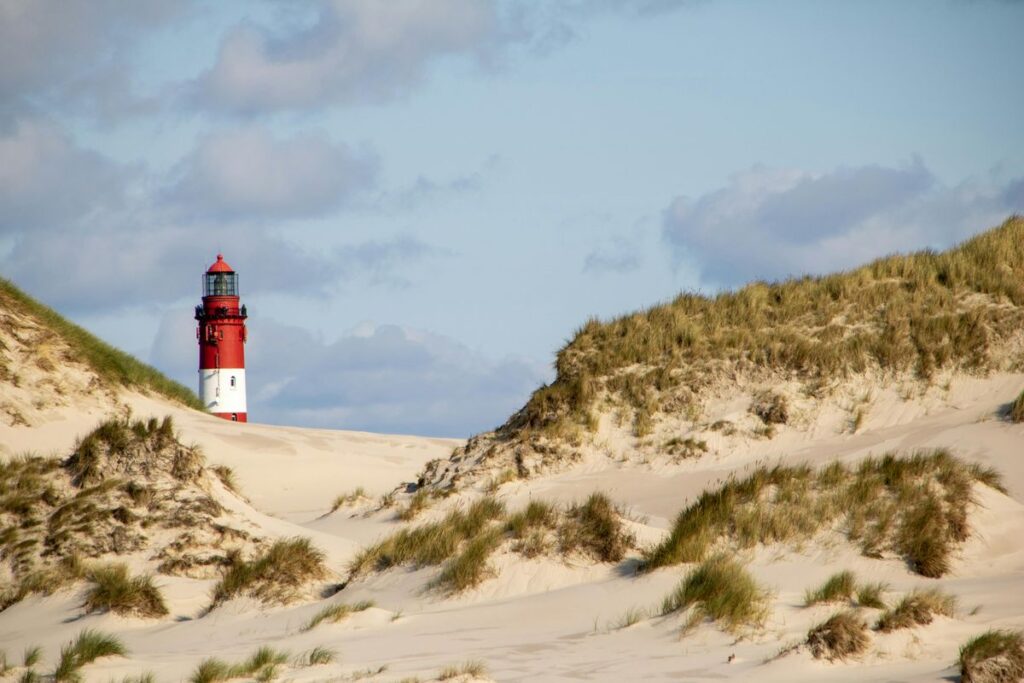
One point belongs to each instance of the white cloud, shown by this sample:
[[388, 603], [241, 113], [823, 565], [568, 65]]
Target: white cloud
[[772, 223]]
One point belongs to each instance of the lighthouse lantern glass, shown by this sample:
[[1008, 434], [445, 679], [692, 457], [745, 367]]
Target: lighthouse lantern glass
[[220, 284]]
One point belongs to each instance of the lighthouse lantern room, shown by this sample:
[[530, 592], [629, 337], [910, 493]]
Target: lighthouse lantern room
[[222, 336]]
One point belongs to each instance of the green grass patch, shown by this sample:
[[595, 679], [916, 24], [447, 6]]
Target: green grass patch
[[720, 590], [915, 507], [469, 567], [837, 588], [89, 646], [595, 528], [274, 577], [113, 589], [993, 657], [332, 614], [111, 365]]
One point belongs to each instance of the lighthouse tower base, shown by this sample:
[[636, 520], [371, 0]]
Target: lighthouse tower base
[[222, 392]]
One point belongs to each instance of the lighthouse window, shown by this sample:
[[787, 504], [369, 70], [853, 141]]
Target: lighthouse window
[[220, 284], [232, 381]]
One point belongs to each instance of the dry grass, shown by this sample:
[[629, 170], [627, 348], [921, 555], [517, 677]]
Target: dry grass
[[110, 364], [472, 668], [349, 498], [417, 504], [318, 655], [89, 646], [919, 313], [839, 587], [1017, 409], [276, 577], [720, 590], [262, 665], [915, 507], [114, 589], [227, 477], [335, 613], [772, 408], [595, 528], [917, 609], [993, 657], [843, 635]]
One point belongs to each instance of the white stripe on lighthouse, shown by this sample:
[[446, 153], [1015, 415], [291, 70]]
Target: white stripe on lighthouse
[[222, 390]]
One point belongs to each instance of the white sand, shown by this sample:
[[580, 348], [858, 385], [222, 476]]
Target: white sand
[[543, 619]]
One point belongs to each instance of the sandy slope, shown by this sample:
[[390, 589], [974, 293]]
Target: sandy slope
[[543, 619]]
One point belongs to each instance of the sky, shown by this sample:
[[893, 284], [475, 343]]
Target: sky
[[424, 199]]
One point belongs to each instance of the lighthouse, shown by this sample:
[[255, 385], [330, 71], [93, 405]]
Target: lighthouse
[[221, 334]]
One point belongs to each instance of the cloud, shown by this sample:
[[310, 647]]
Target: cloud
[[381, 378], [46, 180], [772, 223], [368, 51], [355, 51], [620, 254], [249, 174], [63, 51]]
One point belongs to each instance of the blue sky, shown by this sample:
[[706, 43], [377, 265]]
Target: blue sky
[[425, 198]]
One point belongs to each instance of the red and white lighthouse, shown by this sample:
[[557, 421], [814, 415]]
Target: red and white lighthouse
[[221, 334]]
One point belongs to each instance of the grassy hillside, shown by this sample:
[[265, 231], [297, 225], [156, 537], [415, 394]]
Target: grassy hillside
[[920, 313], [110, 364]]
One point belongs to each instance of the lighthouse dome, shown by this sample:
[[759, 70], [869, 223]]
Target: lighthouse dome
[[220, 266]]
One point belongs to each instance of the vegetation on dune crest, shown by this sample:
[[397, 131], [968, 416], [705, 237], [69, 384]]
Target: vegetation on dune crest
[[915, 507], [89, 646], [110, 364], [993, 657], [918, 313], [917, 609], [335, 613]]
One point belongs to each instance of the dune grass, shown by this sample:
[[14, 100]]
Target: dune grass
[[319, 655], [872, 595], [595, 528], [335, 613], [919, 313], [89, 646], [1017, 409], [472, 668], [720, 590], [274, 577], [32, 656], [111, 365], [837, 588], [915, 507], [844, 634], [417, 504], [261, 665], [469, 567], [993, 657], [113, 589], [917, 609], [350, 498]]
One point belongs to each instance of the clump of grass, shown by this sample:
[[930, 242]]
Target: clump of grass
[[319, 655], [993, 657], [917, 609], [499, 480], [417, 504], [89, 646], [915, 507], [29, 676], [843, 635], [771, 407], [227, 477], [686, 448], [211, 670], [32, 655], [262, 665], [274, 577], [110, 364], [335, 613], [837, 588], [720, 590], [348, 498], [469, 567], [870, 595], [429, 544], [472, 668], [114, 589], [1017, 409], [633, 615], [596, 529]]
